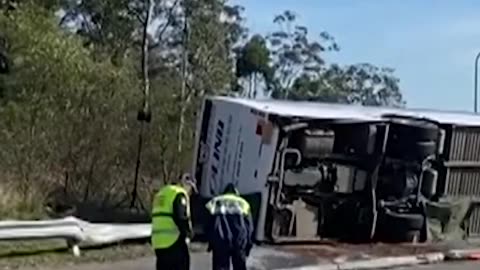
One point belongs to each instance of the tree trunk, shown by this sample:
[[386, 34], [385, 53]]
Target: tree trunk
[[146, 95], [184, 98], [255, 80], [251, 86], [145, 54]]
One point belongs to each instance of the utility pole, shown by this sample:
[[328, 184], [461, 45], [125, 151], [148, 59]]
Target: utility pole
[[475, 85]]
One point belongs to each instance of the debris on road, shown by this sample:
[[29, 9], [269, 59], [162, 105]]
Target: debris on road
[[463, 254], [341, 252], [379, 256]]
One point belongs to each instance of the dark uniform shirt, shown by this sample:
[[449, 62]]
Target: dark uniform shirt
[[180, 216]]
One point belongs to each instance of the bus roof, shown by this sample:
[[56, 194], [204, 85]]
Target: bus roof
[[318, 110]]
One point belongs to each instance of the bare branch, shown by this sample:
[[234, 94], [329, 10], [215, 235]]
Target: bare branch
[[136, 14]]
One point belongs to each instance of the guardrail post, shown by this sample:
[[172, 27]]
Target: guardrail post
[[73, 244]]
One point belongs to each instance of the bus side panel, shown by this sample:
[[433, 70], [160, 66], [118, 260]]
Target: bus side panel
[[231, 150], [219, 147], [213, 163]]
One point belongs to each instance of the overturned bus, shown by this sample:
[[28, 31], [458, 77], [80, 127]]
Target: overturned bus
[[315, 170]]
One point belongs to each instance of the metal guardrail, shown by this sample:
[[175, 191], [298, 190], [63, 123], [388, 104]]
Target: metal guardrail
[[75, 231]]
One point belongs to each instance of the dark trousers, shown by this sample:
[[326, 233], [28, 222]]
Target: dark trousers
[[176, 257], [221, 259]]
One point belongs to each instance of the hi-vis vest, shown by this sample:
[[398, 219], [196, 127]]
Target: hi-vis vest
[[164, 230], [228, 204]]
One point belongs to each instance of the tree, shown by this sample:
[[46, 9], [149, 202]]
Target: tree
[[70, 120], [254, 60], [86, 70], [294, 54], [119, 28], [191, 41], [197, 49], [108, 26], [307, 89], [235, 30], [302, 74], [358, 84], [373, 86]]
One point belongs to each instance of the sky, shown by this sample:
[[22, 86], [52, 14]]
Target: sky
[[431, 44]]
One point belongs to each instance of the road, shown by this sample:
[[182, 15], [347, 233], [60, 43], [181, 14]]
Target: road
[[446, 266], [260, 259], [202, 262]]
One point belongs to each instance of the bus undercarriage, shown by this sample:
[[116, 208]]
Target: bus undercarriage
[[356, 182]]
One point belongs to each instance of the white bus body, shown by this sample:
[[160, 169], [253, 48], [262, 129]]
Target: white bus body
[[237, 141]]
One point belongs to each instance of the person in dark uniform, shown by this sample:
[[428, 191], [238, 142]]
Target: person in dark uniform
[[230, 230], [171, 224]]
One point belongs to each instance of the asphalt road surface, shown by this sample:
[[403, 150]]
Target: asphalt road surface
[[202, 263], [446, 266], [260, 259]]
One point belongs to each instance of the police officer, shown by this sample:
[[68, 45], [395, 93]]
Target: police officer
[[171, 224], [231, 230]]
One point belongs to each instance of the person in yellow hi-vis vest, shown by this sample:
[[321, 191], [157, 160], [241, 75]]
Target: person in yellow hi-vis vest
[[171, 224]]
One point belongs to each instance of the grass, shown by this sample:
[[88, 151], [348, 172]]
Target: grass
[[15, 204], [33, 254]]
